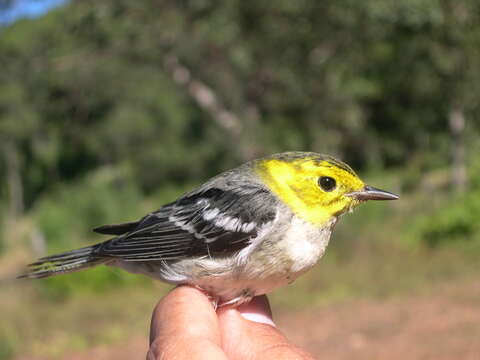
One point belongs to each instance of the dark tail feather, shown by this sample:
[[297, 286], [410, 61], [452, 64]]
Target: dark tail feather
[[66, 262]]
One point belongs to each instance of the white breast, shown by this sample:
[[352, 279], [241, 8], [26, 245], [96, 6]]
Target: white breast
[[305, 243]]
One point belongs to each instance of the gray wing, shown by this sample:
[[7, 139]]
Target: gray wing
[[211, 222]]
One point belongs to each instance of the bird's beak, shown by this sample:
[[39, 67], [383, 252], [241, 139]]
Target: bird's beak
[[371, 193]]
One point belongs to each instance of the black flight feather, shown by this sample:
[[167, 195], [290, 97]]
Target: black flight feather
[[117, 229]]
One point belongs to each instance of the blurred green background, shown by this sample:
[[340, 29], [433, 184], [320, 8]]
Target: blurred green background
[[108, 109]]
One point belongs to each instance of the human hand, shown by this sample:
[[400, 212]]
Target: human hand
[[186, 327]]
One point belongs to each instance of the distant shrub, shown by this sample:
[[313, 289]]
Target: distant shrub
[[67, 216], [455, 220]]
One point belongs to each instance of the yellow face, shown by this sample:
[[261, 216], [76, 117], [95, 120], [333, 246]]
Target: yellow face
[[315, 189]]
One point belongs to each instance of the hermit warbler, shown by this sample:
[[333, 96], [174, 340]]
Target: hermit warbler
[[243, 233]]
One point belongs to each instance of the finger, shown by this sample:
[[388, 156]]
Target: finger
[[185, 326], [248, 332]]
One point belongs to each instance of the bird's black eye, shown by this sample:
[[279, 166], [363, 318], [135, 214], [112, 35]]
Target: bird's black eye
[[327, 183]]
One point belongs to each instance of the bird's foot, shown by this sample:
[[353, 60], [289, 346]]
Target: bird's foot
[[243, 298], [217, 302]]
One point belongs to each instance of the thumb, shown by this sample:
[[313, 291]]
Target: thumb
[[248, 332]]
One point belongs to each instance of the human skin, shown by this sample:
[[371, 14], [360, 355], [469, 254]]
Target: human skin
[[186, 327]]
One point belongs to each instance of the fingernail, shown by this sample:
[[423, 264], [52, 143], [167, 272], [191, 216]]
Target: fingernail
[[258, 318]]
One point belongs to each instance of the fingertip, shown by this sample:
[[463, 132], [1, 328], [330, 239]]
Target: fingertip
[[185, 326], [255, 312], [248, 332], [247, 328], [187, 298], [258, 310], [183, 309], [191, 293]]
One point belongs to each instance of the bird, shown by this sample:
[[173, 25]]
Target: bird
[[243, 233]]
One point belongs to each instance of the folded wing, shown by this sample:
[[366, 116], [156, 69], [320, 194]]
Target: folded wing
[[212, 222]]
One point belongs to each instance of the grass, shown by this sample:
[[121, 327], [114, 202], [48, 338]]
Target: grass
[[39, 326]]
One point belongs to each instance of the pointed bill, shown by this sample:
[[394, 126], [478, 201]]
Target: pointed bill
[[371, 193]]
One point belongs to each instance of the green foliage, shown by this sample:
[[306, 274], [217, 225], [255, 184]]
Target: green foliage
[[67, 216], [88, 85], [454, 220]]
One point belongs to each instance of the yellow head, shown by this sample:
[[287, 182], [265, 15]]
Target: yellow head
[[316, 187]]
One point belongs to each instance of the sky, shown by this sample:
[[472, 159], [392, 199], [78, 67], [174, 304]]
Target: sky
[[27, 9]]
